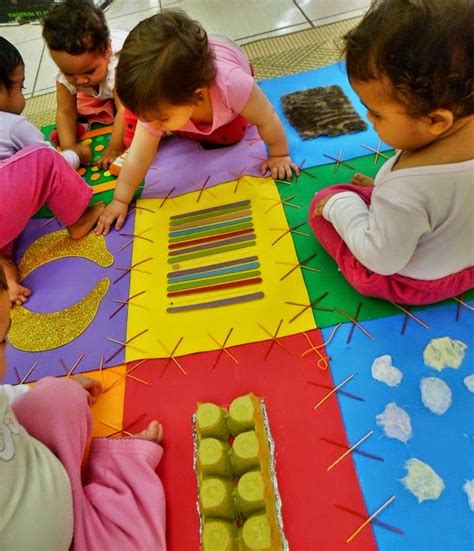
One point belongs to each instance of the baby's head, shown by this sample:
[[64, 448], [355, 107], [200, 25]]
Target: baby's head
[[164, 66], [12, 75], [412, 64], [4, 320], [79, 41]]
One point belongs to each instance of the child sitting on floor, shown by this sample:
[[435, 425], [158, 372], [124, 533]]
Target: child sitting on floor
[[86, 54], [33, 173], [116, 503], [177, 80], [408, 236]]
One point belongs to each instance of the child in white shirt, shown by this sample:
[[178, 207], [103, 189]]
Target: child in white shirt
[[408, 236]]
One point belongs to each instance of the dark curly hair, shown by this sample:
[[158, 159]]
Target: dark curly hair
[[76, 27], [165, 58], [424, 47], [3, 280], [10, 58]]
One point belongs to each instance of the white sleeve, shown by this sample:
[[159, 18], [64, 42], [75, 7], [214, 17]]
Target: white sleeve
[[14, 392], [383, 237], [71, 157]]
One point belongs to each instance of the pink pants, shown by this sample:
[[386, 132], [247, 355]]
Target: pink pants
[[35, 176], [396, 287], [120, 504]]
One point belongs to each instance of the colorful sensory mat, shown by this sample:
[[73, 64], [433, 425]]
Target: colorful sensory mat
[[214, 289]]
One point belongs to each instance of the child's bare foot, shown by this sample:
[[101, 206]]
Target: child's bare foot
[[154, 433], [18, 293], [362, 180], [87, 221]]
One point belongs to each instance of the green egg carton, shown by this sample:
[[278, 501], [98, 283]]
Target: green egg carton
[[239, 504]]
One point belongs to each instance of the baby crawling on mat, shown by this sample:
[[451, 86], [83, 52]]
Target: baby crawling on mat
[[176, 79], [408, 236], [62, 490]]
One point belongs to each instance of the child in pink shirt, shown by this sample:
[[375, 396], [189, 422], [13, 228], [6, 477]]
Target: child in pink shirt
[[178, 81], [32, 173], [62, 490]]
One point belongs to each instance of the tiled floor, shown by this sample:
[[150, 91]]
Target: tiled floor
[[242, 20]]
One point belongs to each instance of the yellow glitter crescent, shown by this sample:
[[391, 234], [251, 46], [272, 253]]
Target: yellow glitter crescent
[[37, 332], [58, 244]]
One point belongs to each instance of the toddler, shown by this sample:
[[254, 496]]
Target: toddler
[[116, 503], [408, 236], [86, 54], [177, 80], [33, 173]]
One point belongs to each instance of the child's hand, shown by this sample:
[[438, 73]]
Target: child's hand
[[362, 180], [280, 167], [116, 210], [318, 209], [18, 293], [108, 157], [93, 387], [85, 154]]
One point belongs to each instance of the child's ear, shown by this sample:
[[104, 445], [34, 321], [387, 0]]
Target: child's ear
[[439, 121], [200, 94]]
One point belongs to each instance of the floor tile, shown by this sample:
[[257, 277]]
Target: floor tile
[[279, 32], [119, 8], [21, 33], [46, 74], [241, 19], [31, 53], [335, 10], [129, 21]]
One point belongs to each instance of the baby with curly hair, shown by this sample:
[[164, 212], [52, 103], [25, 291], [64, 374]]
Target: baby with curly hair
[[407, 236]]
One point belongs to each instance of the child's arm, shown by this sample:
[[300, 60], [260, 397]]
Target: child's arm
[[66, 121], [260, 112], [115, 147], [140, 156]]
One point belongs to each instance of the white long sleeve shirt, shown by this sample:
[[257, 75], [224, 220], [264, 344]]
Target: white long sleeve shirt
[[420, 222], [35, 493]]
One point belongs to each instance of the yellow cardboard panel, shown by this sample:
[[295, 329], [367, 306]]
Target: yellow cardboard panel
[[160, 331]]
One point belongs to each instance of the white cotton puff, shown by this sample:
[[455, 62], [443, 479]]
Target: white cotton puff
[[435, 395], [469, 382], [444, 352], [422, 481], [385, 372], [396, 422], [469, 489]]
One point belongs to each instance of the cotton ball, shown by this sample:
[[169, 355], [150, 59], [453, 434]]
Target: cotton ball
[[385, 372], [444, 352], [469, 489], [435, 395], [469, 382], [422, 481], [396, 422]]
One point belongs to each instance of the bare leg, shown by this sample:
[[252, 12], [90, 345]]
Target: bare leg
[[361, 180], [87, 221], [18, 293]]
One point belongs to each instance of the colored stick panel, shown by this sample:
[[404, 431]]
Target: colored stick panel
[[205, 217], [211, 273], [212, 280], [210, 238], [215, 303], [204, 231], [210, 210], [217, 250], [222, 218], [220, 287], [219, 243], [198, 229], [213, 266]]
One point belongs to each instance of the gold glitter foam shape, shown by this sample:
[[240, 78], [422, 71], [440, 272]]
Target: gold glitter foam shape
[[37, 332], [58, 244]]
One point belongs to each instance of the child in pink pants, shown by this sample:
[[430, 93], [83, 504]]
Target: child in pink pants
[[54, 495], [407, 236], [32, 173]]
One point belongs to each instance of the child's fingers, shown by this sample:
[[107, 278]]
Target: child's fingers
[[120, 221], [264, 168]]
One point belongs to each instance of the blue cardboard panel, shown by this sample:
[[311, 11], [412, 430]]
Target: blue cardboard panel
[[312, 150], [445, 442]]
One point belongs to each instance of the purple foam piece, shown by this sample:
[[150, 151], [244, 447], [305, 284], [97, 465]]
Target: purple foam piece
[[184, 165], [62, 283]]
